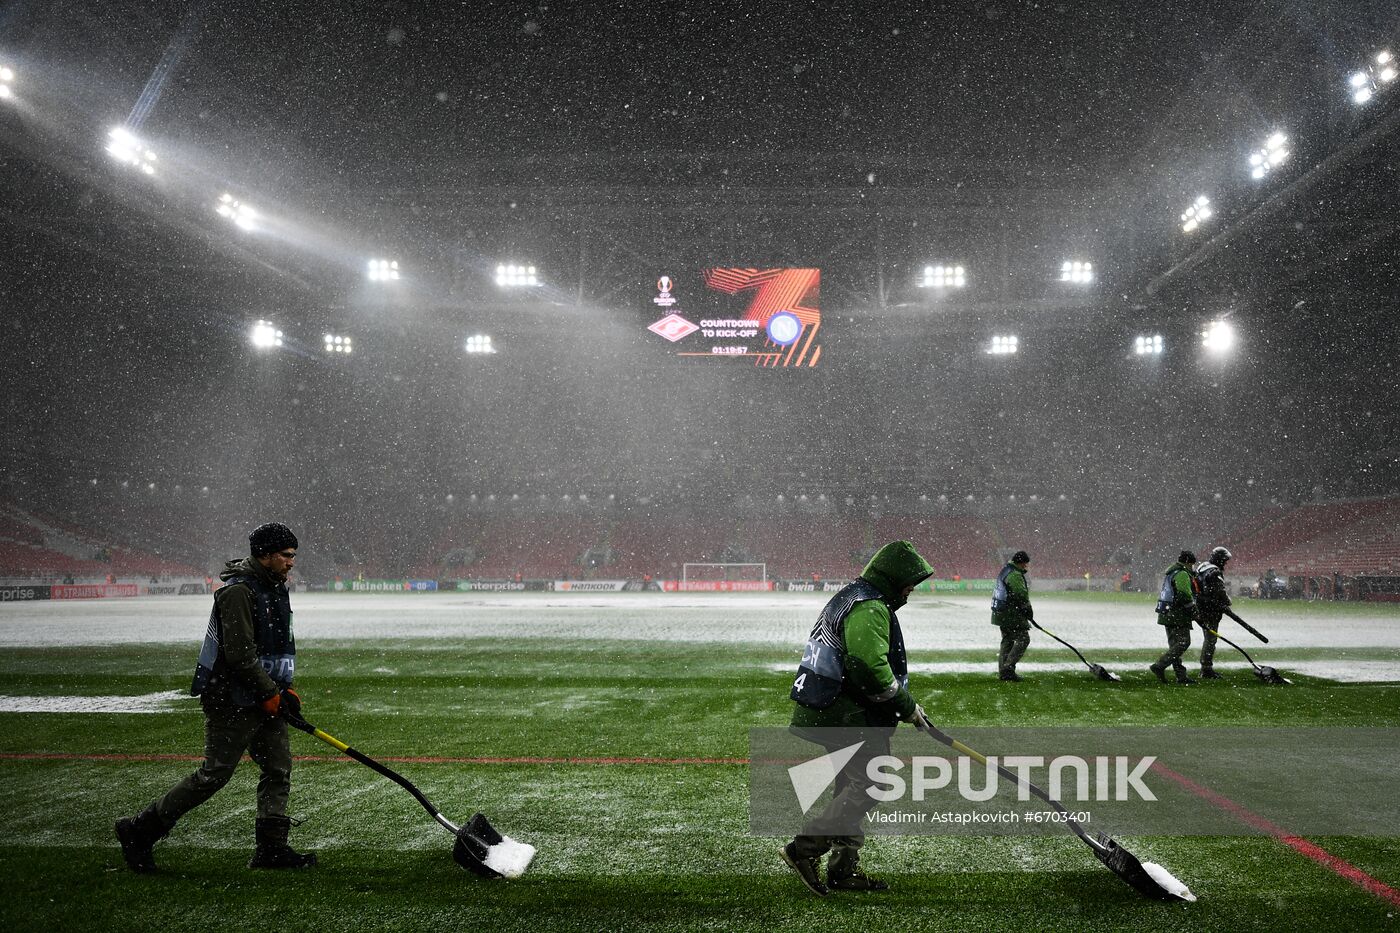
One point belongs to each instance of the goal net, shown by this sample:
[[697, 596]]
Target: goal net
[[725, 576]]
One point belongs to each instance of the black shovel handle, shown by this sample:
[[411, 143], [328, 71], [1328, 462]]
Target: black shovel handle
[[946, 739], [1246, 626], [1063, 642], [298, 723]]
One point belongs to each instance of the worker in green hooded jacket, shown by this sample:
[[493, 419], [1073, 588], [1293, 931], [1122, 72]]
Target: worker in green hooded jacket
[[854, 674]]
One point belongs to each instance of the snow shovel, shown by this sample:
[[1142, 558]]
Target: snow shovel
[[1147, 878], [479, 848], [1265, 673], [1099, 670]]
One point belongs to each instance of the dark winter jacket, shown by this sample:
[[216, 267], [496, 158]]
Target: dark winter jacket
[[239, 671]]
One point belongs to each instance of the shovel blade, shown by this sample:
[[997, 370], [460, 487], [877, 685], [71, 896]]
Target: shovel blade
[[1271, 675], [484, 852], [1126, 866], [1102, 673]]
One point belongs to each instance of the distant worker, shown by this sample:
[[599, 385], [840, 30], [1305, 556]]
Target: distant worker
[[244, 683], [1011, 612], [1177, 611], [1213, 600], [854, 675]]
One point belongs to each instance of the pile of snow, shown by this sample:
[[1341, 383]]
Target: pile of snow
[[1168, 881]]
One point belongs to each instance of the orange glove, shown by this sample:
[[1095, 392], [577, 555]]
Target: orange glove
[[271, 704]]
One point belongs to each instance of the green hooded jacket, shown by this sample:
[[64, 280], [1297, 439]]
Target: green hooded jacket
[[1184, 612], [865, 636]]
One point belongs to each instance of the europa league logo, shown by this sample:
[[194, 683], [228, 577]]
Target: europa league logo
[[663, 285]]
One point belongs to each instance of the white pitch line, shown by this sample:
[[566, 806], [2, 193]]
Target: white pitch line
[[145, 703]]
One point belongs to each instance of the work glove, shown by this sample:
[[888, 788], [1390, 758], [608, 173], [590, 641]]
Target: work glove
[[291, 704], [917, 718], [286, 703]]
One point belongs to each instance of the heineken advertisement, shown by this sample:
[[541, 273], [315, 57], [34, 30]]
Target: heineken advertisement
[[384, 586]]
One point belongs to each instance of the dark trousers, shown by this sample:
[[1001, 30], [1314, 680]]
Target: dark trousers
[[840, 825], [229, 731], [1178, 641], [1210, 624], [1015, 638]]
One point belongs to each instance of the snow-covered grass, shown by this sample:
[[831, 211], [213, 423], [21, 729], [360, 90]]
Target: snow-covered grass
[[481, 701]]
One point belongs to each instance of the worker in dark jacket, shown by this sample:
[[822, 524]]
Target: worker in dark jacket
[[244, 683], [1177, 612], [1011, 612], [854, 674], [1213, 600]]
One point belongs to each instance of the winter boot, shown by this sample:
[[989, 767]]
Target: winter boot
[[1208, 673], [843, 872], [273, 851], [1009, 675], [1160, 671], [138, 835], [808, 869], [1185, 679]]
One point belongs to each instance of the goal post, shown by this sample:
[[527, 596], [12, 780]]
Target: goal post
[[723, 573]]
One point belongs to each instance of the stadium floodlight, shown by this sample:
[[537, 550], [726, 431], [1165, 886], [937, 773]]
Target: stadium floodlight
[[1148, 345], [7, 77], [1219, 337], [242, 216], [1003, 344], [1270, 156], [480, 343], [266, 336], [1365, 84], [1198, 213], [338, 344], [383, 270], [944, 277], [1079, 273], [126, 148], [509, 275]]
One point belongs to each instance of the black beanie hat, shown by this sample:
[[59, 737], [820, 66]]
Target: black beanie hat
[[1020, 557], [274, 536], [1186, 557]]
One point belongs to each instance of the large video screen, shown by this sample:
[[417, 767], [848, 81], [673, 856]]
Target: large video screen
[[758, 317]]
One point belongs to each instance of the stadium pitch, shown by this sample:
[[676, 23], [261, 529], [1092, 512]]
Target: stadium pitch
[[611, 733]]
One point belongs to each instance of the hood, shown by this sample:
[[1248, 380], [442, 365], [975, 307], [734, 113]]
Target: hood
[[895, 566], [246, 567]]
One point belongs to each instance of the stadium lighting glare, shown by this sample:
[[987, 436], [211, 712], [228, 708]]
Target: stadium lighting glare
[[336, 344], [1078, 273], [1144, 345], [513, 276], [944, 277], [1219, 337], [1195, 215], [480, 343], [1365, 84], [126, 148], [266, 336], [1264, 160], [383, 270], [1003, 344], [7, 77], [242, 216]]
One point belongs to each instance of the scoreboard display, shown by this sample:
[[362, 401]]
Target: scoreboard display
[[758, 317]]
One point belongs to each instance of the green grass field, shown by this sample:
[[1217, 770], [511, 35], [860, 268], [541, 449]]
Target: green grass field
[[622, 846]]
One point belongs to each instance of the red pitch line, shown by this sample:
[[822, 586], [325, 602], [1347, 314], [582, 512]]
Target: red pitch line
[[1298, 844], [413, 760]]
